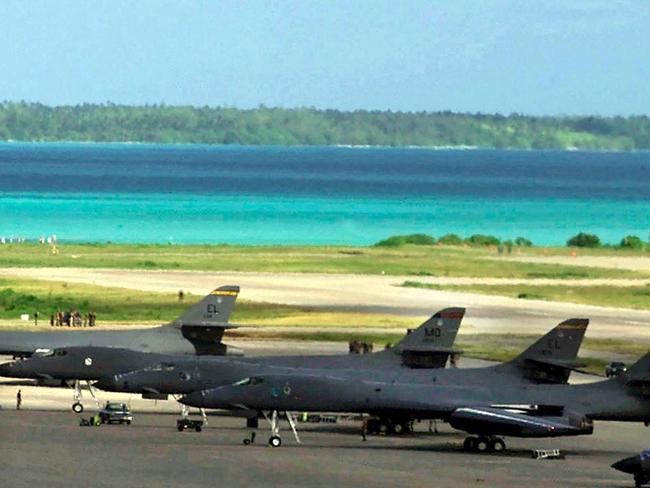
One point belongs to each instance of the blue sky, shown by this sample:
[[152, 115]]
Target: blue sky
[[527, 56]]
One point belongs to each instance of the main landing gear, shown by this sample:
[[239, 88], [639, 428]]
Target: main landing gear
[[275, 440], [484, 444]]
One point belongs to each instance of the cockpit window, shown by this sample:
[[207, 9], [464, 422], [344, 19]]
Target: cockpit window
[[43, 353], [249, 381], [60, 352]]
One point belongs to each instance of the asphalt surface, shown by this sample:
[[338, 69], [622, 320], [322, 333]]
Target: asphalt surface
[[51, 449]]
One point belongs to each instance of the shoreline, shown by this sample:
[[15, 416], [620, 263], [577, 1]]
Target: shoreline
[[198, 145]]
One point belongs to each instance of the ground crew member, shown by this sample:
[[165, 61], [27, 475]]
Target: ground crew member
[[19, 399], [364, 429]]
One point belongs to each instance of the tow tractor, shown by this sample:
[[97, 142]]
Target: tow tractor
[[189, 424]]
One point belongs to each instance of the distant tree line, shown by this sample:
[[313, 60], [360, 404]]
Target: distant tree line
[[582, 239], [475, 240], [23, 121]]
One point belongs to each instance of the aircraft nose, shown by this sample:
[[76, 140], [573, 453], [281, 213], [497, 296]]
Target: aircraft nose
[[6, 369], [628, 465], [195, 399]]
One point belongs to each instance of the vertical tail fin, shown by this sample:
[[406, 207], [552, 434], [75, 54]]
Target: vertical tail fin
[[551, 358], [431, 343], [639, 372], [213, 311]]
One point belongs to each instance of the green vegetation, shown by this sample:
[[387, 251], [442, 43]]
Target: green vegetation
[[451, 240], [581, 240], [584, 240], [632, 242], [19, 296], [405, 260], [482, 240], [417, 239], [637, 297], [523, 242], [478, 240], [308, 126]]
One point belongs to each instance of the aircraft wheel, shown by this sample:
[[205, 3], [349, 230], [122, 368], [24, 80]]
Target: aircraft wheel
[[497, 445], [482, 444], [275, 441], [398, 428], [77, 407], [470, 444], [197, 428]]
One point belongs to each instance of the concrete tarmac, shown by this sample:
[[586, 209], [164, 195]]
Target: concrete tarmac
[[51, 449]]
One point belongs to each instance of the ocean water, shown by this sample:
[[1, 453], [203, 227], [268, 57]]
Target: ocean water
[[316, 195]]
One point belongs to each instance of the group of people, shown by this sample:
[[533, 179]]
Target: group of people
[[358, 347], [73, 318], [11, 240]]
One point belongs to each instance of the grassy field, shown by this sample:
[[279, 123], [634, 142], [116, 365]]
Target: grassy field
[[636, 297], [19, 296], [405, 260]]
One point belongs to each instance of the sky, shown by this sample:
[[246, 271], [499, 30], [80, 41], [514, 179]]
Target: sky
[[550, 57]]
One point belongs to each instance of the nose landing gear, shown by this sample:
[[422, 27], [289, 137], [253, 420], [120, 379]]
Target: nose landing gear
[[275, 440], [77, 406]]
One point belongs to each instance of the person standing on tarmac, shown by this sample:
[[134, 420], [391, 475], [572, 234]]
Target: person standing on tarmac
[[364, 429], [19, 399]]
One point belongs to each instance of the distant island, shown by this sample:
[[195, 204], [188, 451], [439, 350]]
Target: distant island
[[22, 121]]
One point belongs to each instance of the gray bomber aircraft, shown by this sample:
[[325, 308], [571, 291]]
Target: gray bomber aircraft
[[487, 411], [549, 360], [197, 332], [427, 346], [638, 466], [157, 375], [547, 363]]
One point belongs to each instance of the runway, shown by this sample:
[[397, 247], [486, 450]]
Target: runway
[[370, 293], [51, 449]]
